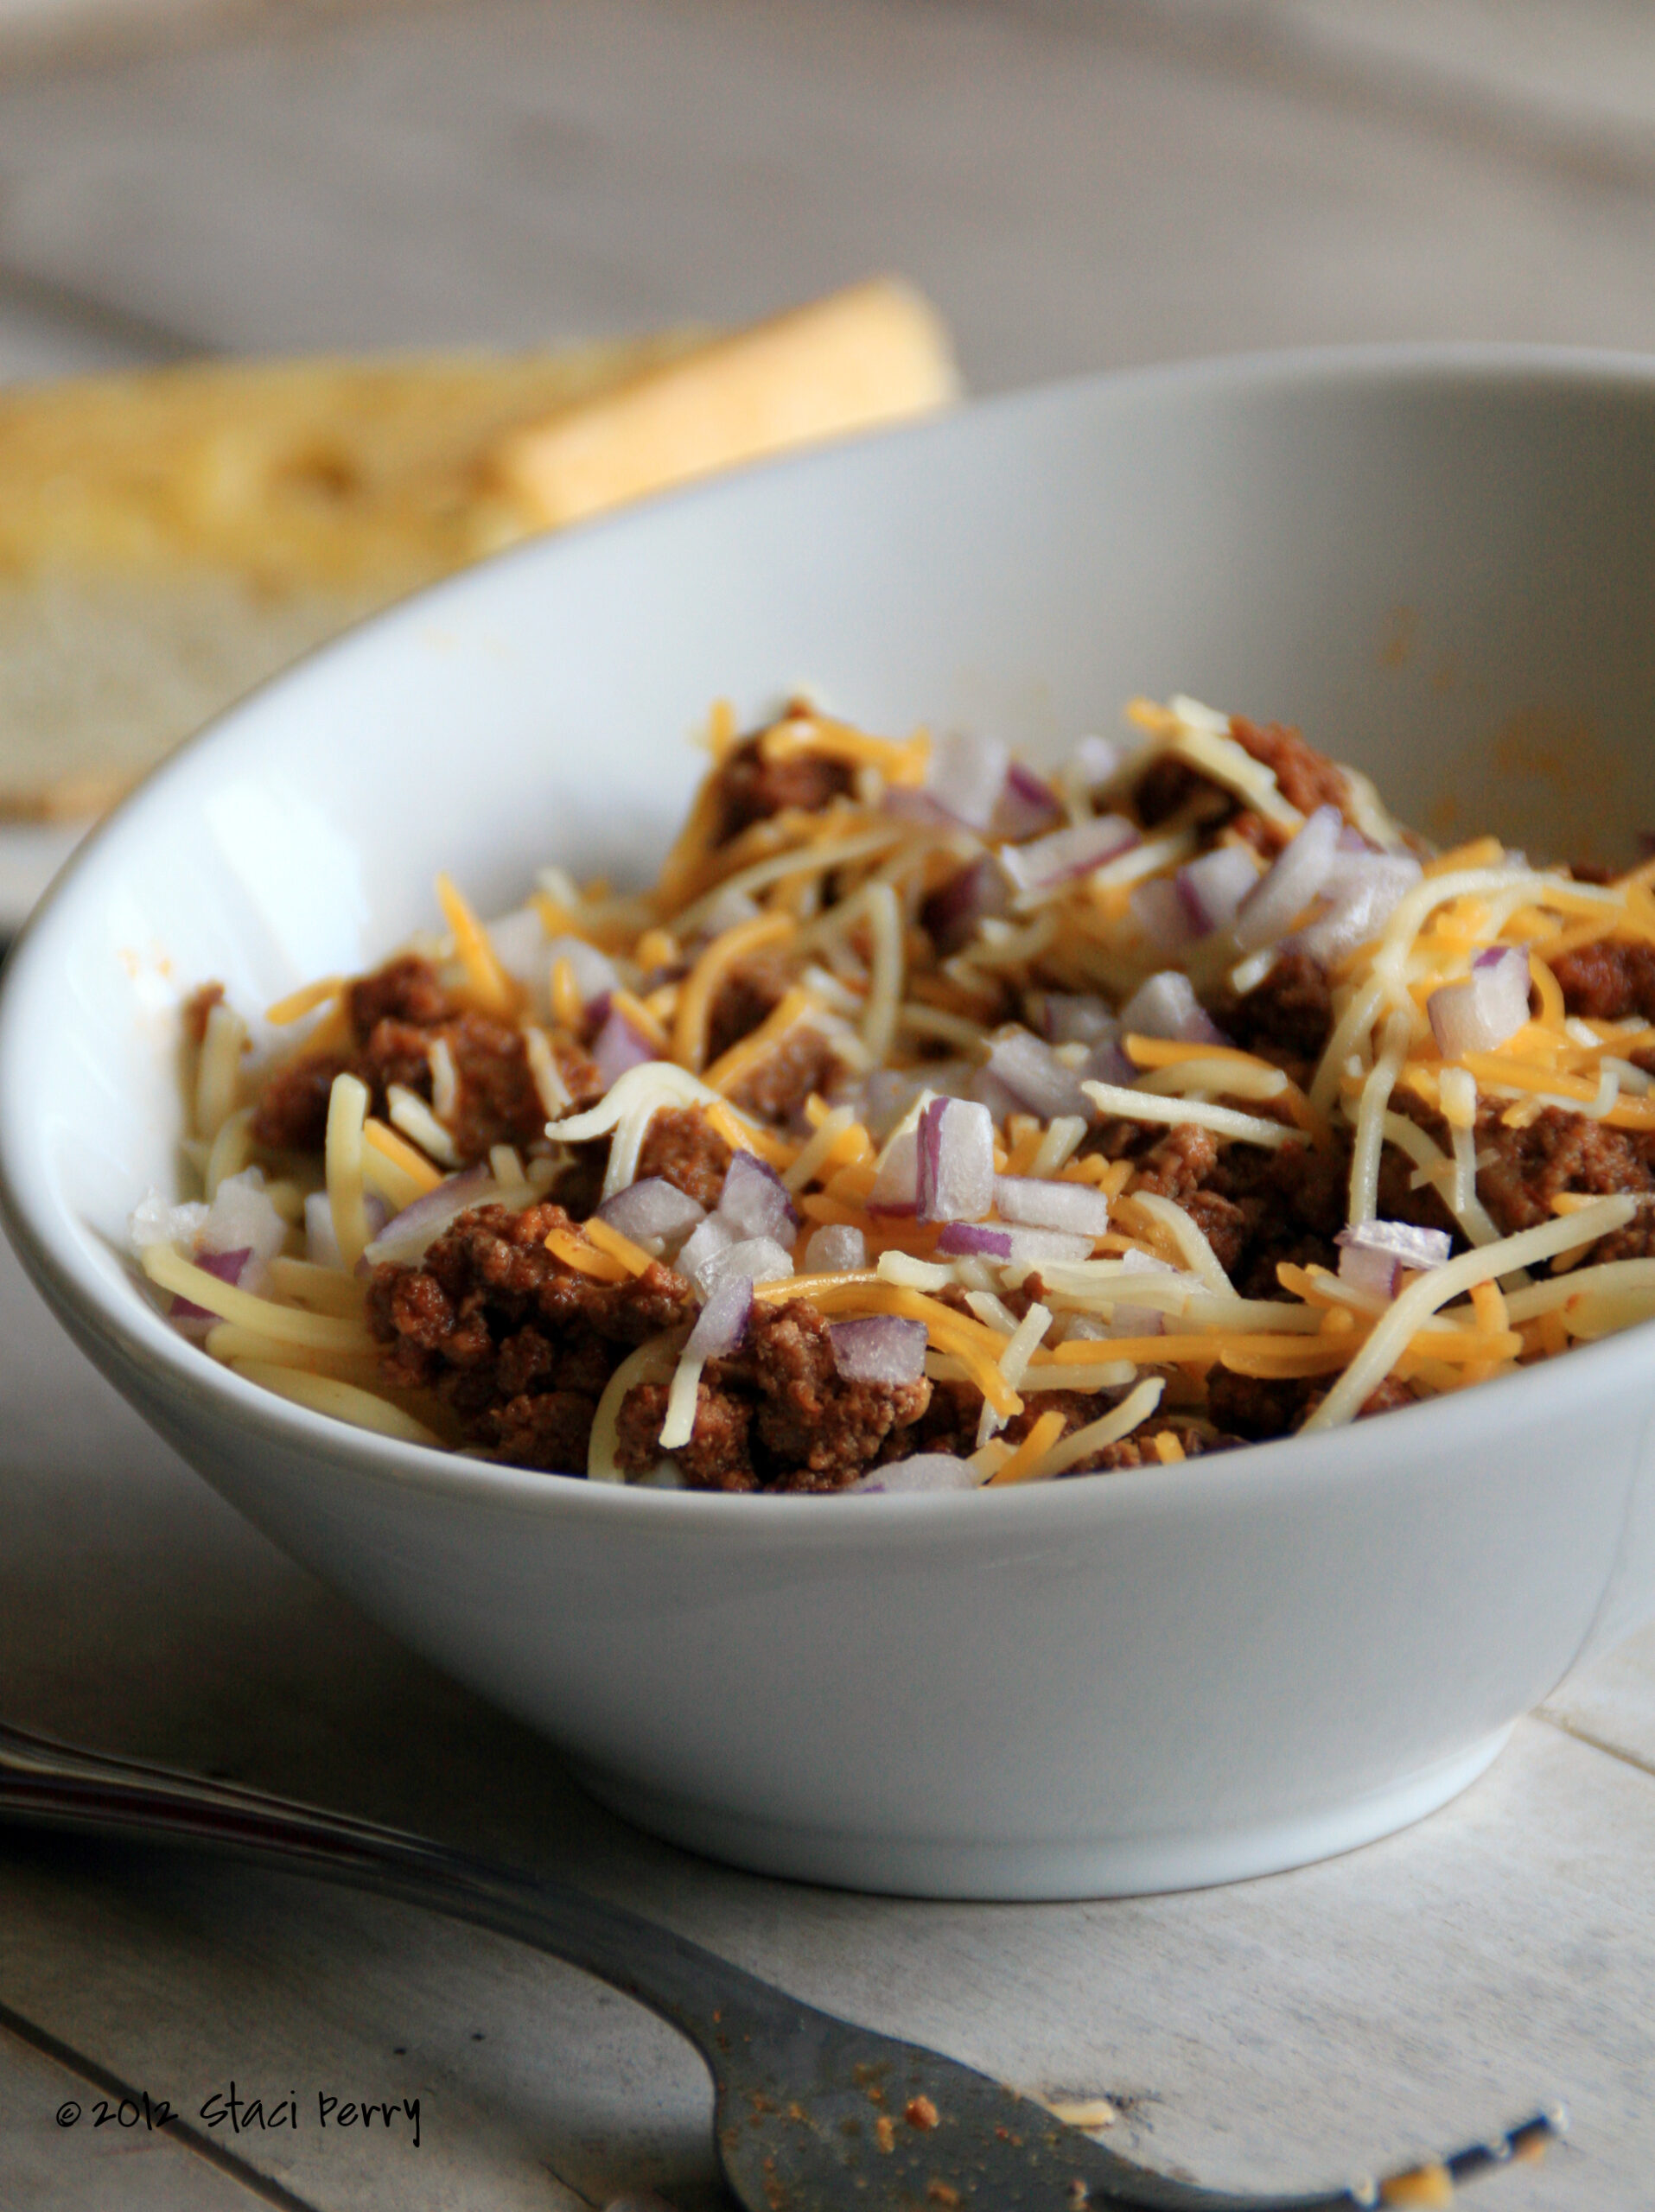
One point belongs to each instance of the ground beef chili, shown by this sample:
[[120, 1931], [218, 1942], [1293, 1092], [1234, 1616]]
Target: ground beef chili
[[683, 1147], [394, 1017], [1305, 777], [1610, 980], [802, 1061], [517, 1345], [752, 789], [778, 1415], [1288, 1018], [912, 943]]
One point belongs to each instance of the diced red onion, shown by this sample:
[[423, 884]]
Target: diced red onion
[[1068, 854], [956, 1161], [880, 1349], [227, 1267], [722, 1321], [654, 1213], [595, 974], [1127, 1320], [728, 909], [1212, 887], [999, 1097], [757, 1259], [908, 805], [320, 1243], [241, 1213], [1490, 1005], [896, 1183], [1291, 881], [1031, 1246], [1160, 911], [1077, 1018], [1023, 1246], [155, 1221], [1137, 1321], [703, 1245], [1036, 1077], [975, 1240], [1107, 1063], [885, 1097], [1032, 1202], [405, 1237], [755, 1200], [836, 1249], [1373, 1253], [924, 1470], [950, 917], [617, 1047], [1366, 888], [1026, 805], [1096, 760], [519, 942], [966, 775], [195, 1319], [1167, 1006], [1368, 1269]]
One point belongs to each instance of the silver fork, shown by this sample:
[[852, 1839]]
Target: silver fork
[[812, 2114]]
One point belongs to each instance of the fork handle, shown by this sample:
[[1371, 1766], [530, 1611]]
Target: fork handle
[[55, 1785]]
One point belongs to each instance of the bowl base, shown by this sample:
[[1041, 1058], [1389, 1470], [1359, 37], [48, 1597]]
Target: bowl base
[[1030, 1869]]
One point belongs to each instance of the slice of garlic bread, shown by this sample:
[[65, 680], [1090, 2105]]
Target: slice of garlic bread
[[169, 538]]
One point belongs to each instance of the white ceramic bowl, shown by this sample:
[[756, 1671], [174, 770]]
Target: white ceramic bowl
[[1135, 1682]]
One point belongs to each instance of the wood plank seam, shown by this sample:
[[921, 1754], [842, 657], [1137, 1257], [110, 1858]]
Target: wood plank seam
[[74, 2062], [1572, 1729]]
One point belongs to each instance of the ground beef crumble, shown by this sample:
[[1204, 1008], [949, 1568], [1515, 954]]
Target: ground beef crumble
[[1305, 777], [683, 1146], [395, 1016], [1288, 1018], [751, 789], [802, 1061], [778, 1415], [518, 1345], [1559, 1151], [1610, 980]]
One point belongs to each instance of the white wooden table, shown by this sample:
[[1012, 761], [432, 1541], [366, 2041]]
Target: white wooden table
[[1077, 185]]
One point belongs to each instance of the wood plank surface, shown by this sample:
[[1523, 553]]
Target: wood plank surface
[[1078, 186]]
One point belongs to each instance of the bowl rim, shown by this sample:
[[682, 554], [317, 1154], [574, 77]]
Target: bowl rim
[[117, 1318]]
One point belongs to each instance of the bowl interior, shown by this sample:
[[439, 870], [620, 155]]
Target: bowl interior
[[1438, 564]]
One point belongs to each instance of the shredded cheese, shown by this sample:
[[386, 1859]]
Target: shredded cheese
[[1135, 1106], [347, 1105], [167, 1267], [305, 1000], [489, 984], [1429, 1293], [679, 1424], [700, 986]]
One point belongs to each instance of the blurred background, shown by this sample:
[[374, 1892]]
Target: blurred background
[[1077, 183]]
